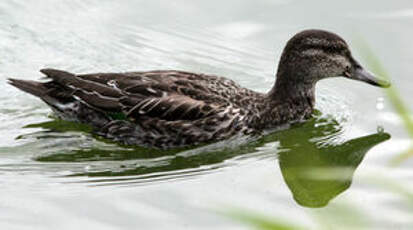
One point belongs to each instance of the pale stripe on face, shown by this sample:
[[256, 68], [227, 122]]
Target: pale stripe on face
[[328, 58]]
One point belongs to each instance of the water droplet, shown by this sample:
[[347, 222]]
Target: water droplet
[[380, 103], [380, 129]]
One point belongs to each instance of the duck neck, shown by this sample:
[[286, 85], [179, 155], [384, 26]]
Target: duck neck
[[285, 91], [291, 99]]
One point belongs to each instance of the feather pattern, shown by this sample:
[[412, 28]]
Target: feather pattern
[[163, 109]]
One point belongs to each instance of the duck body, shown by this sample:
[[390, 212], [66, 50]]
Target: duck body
[[162, 109], [167, 109]]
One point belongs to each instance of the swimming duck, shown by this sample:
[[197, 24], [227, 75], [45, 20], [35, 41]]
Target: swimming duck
[[168, 108]]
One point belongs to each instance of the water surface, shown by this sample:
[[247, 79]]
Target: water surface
[[56, 174]]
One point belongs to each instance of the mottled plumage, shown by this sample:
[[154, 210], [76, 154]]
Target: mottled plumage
[[167, 109]]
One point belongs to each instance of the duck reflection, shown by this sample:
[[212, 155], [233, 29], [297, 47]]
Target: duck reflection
[[317, 165], [315, 170]]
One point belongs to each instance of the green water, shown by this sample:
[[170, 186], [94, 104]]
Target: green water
[[56, 174]]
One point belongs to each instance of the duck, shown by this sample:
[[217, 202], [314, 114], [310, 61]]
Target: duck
[[167, 109]]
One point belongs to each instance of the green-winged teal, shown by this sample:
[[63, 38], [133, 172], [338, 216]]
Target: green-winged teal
[[166, 108]]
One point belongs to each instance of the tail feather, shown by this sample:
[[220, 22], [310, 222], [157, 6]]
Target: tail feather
[[62, 98], [60, 76], [68, 79], [37, 89], [32, 87]]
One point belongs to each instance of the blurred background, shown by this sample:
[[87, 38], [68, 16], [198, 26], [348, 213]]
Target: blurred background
[[56, 174]]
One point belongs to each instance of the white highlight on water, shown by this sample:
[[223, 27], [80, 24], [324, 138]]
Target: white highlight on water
[[380, 103]]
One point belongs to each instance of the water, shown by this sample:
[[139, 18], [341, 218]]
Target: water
[[380, 104], [54, 173]]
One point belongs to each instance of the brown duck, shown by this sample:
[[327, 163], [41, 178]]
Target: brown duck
[[166, 109]]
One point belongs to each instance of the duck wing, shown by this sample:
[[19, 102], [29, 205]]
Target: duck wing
[[164, 95]]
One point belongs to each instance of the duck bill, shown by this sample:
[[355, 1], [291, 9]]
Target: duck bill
[[361, 74]]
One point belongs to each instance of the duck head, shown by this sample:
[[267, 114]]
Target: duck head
[[312, 55]]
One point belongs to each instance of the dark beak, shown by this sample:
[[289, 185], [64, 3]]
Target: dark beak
[[363, 75], [360, 74]]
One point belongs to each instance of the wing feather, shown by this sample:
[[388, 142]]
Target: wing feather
[[174, 107], [164, 95]]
